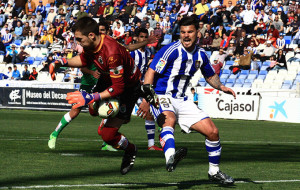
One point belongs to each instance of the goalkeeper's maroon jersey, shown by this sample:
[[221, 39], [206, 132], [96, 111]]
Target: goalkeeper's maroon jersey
[[115, 64]]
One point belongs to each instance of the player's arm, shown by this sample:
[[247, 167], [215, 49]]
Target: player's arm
[[95, 74], [215, 82], [63, 62], [132, 47]]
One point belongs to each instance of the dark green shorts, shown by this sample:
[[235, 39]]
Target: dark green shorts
[[87, 88]]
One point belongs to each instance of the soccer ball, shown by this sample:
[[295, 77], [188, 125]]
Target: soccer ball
[[107, 108]]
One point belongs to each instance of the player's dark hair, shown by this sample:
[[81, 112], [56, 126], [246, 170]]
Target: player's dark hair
[[189, 20], [103, 23], [141, 30], [86, 25]]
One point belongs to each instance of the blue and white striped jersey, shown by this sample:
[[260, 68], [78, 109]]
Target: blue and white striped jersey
[[141, 60], [176, 66]]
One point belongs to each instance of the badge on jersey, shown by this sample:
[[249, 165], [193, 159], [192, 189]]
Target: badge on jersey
[[160, 65], [116, 72], [100, 60], [112, 60]]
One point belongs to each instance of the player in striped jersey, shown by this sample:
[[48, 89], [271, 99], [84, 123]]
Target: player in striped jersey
[[170, 73], [141, 58]]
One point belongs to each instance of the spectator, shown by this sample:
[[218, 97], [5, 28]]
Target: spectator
[[201, 10], [19, 5], [19, 31], [41, 8], [26, 29], [108, 11], [245, 60], [119, 31], [221, 56], [293, 7], [248, 17], [225, 41], [278, 24], [280, 42], [240, 47], [217, 65], [9, 73], [184, 8], [177, 6], [216, 42], [45, 41], [207, 41], [100, 11], [16, 73], [195, 96], [124, 17], [34, 28], [33, 74], [51, 16], [64, 6], [230, 6], [293, 28], [281, 61], [25, 73], [30, 7], [7, 38], [29, 39], [260, 27], [233, 21], [268, 51], [22, 55], [231, 49]]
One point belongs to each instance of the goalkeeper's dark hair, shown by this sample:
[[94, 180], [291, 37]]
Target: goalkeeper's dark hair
[[86, 25], [189, 20], [141, 30]]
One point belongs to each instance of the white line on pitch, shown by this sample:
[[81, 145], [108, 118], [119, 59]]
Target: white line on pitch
[[99, 140], [138, 184]]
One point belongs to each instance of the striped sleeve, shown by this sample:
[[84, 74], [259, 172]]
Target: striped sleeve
[[206, 68]]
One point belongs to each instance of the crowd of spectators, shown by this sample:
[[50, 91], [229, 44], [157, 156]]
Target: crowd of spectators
[[245, 32]]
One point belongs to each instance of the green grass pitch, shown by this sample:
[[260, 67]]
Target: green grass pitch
[[258, 154]]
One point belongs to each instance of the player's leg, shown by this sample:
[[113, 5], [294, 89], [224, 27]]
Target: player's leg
[[110, 134], [65, 120], [104, 146], [150, 128], [213, 147]]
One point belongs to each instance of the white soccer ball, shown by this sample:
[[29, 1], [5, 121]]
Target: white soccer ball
[[107, 108]]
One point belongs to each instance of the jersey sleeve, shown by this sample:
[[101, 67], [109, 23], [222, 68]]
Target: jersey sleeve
[[162, 58], [132, 54], [206, 68], [116, 72], [84, 59]]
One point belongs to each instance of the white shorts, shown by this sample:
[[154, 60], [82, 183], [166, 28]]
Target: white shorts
[[186, 111]]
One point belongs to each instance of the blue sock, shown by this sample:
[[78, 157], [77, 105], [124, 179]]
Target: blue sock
[[167, 141], [150, 128], [214, 154]]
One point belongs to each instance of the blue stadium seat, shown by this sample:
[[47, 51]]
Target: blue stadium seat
[[294, 86], [249, 81], [226, 71], [230, 80], [263, 72], [29, 60], [18, 42], [244, 72], [242, 76], [289, 82], [297, 77], [226, 67], [229, 63], [240, 81], [232, 76], [202, 83], [167, 39], [254, 72], [151, 6], [38, 59], [202, 80], [229, 84], [247, 85], [251, 76], [286, 86], [261, 77], [239, 85], [288, 39], [266, 63], [223, 80], [208, 53], [225, 76], [36, 63]]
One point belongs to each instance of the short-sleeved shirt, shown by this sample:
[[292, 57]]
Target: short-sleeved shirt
[[201, 9], [176, 66], [115, 65]]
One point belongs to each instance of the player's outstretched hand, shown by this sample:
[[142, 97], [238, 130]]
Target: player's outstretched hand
[[79, 99], [152, 39], [228, 91], [149, 95], [143, 109], [55, 65]]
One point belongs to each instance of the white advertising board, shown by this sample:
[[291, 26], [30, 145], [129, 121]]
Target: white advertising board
[[280, 109], [225, 106]]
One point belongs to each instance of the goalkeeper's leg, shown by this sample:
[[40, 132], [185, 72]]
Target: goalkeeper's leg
[[65, 120]]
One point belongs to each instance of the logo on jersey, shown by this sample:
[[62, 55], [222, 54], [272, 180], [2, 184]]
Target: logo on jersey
[[116, 72], [161, 64], [111, 60], [100, 60]]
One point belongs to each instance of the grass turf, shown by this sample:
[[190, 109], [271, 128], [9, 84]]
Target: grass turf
[[252, 151]]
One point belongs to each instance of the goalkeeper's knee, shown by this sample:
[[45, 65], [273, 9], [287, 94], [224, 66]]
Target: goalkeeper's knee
[[111, 135]]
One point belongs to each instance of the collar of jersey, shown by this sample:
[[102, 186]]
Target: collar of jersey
[[98, 48]]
